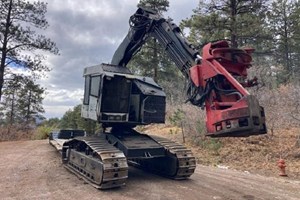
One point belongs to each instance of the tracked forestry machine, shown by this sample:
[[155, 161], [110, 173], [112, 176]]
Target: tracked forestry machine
[[120, 100]]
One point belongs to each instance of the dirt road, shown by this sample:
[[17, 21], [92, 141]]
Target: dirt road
[[33, 170]]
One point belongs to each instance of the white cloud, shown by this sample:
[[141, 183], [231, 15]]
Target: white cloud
[[58, 101], [18, 70], [56, 111]]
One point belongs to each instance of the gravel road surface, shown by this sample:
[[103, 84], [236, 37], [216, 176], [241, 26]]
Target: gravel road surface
[[33, 170]]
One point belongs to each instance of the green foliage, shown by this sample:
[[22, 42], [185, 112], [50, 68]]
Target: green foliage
[[42, 132], [52, 122], [30, 99], [152, 60], [272, 28], [177, 117], [212, 144], [173, 132], [19, 22], [72, 119], [69, 120], [284, 23], [200, 127], [199, 139], [23, 100], [159, 5], [230, 19]]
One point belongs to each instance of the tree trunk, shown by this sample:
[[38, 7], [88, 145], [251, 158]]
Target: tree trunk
[[4, 47], [12, 109], [28, 107], [233, 38], [2, 74], [286, 46], [155, 60], [182, 131]]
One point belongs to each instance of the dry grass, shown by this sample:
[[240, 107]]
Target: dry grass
[[14, 133], [257, 154], [261, 153]]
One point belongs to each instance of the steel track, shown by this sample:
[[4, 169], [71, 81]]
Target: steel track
[[179, 162], [96, 161], [104, 166]]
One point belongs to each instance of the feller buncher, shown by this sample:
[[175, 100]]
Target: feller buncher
[[120, 100]]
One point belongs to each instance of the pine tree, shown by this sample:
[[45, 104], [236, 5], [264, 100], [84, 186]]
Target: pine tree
[[244, 23], [19, 19], [30, 100], [22, 100], [285, 23], [68, 120], [72, 119], [148, 62], [237, 20], [159, 5], [9, 103], [153, 61]]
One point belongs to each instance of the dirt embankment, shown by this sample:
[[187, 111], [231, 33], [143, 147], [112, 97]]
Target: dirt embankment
[[256, 154]]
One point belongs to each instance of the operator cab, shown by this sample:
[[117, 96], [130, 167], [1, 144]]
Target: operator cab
[[114, 96]]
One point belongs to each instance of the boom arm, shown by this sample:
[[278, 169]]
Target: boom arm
[[145, 23], [230, 109], [148, 23]]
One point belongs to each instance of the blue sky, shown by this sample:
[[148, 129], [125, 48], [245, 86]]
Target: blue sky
[[87, 33]]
